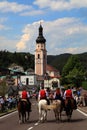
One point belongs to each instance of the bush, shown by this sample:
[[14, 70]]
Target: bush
[[84, 85]]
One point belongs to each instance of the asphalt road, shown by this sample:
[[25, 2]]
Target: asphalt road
[[78, 121]]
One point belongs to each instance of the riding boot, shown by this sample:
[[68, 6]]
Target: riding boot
[[48, 101]]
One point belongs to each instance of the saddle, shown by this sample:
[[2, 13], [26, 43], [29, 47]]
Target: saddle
[[25, 100]]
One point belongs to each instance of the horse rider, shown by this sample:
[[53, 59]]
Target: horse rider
[[68, 94], [43, 94], [25, 97], [58, 96]]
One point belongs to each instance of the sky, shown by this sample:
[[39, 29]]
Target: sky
[[64, 25]]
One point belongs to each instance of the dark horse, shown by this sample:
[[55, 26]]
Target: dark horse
[[23, 108], [69, 106]]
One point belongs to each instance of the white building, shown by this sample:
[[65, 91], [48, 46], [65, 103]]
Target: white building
[[28, 80]]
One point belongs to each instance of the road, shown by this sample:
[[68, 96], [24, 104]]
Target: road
[[78, 121]]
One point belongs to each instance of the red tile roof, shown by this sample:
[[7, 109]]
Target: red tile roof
[[51, 68]]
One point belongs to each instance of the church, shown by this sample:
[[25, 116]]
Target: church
[[43, 74], [46, 74]]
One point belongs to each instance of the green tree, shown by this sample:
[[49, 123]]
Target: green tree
[[73, 72], [3, 87]]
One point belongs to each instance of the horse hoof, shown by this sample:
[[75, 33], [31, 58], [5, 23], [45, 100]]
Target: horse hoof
[[20, 122]]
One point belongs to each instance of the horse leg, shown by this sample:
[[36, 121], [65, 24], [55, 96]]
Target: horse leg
[[40, 113], [25, 117], [42, 116], [57, 115], [28, 113], [19, 117], [45, 115]]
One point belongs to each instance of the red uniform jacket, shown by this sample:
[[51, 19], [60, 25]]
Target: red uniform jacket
[[69, 93], [42, 94], [24, 95]]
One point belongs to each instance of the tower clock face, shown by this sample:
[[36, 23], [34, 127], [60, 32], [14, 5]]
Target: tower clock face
[[38, 61]]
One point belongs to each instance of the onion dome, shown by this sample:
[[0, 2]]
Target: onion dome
[[40, 38]]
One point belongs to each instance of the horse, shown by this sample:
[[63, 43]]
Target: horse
[[42, 111], [23, 108], [69, 107], [43, 108], [57, 104]]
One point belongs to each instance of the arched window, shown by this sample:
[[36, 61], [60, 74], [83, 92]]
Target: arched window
[[38, 56]]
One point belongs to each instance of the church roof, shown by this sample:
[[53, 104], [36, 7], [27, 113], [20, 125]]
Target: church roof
[[51, 68], [40, 38]]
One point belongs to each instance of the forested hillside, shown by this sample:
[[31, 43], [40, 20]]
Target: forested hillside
[[59, 61], [26, 60]]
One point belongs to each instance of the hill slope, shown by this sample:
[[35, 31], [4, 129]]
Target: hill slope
[[26, 60]]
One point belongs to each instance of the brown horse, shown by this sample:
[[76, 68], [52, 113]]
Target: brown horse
[[69, 107], [23, 108]]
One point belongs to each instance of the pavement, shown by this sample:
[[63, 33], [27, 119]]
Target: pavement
[[83, 109]]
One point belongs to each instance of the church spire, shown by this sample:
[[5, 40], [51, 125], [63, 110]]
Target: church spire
[[40, 38]]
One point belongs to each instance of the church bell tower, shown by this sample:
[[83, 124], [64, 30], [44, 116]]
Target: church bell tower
[[40, 54]]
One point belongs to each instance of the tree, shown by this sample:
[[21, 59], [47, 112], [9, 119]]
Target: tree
[[73, 72], [3, 87]]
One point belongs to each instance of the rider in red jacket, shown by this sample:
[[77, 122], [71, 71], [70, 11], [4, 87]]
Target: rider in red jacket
[[24, 94], [25, 97], [68, 94], [43, 95]]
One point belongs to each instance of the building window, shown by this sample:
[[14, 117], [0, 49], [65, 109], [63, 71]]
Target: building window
[[27, 81], [38, 56]]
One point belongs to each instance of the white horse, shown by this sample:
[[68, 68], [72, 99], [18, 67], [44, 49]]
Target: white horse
[[43, 107], [42, 112]]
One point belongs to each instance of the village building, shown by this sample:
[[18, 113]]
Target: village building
[[43, 74]]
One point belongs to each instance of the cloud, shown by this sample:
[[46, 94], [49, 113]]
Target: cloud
[[64, 35], [32, 13], [21, 45], [6, 6], [61, 4], [7, 44], [14, 7], [2, 27], [27, 40]]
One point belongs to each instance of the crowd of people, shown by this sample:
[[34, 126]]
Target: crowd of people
[[49, 95], [7, 103]]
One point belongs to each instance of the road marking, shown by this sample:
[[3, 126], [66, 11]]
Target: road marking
[[30, 128], [37, 123], [82, 112], [7, 115]]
